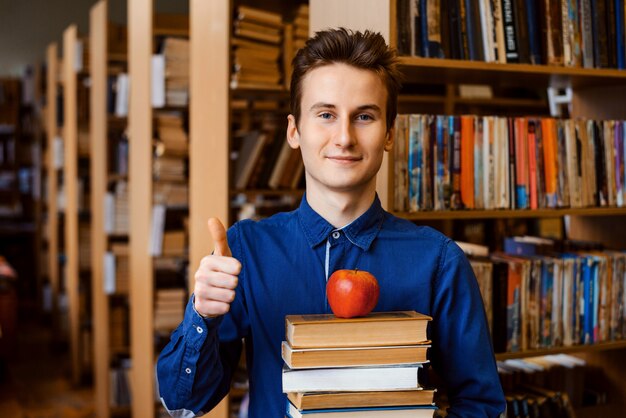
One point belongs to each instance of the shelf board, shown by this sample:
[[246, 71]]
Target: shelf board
[[503, 102], [611, 345], [444, 71], [510, 213]]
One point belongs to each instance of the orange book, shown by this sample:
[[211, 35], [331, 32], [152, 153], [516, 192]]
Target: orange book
[[548, 131], [521, 164], [467, 161]]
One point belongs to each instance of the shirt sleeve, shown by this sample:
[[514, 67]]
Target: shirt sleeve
[[462, 352], [195, 369]]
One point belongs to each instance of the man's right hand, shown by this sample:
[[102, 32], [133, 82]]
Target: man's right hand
[[216, 278]]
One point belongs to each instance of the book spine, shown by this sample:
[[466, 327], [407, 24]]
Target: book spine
[[508, 17], [619, 33], [534, 32]]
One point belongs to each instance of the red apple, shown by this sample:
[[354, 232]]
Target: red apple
[[352, 293]]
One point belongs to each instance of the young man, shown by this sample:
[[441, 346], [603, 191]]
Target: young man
[[344, 99]]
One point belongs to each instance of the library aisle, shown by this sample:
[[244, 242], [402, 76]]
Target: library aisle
[[35, 381]]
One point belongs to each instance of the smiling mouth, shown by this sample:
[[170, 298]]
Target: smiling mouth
[[344, 160]]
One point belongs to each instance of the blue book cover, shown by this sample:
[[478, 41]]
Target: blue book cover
[[516, 247], [423, 11], [588, 298], [534, 41], [415, 161], [595, 306], [547, 297], [440, 165], [619, 33], [471, 31]]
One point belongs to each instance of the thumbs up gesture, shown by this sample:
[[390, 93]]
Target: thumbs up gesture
[[216, 278]]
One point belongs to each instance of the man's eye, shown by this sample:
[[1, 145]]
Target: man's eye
[[365, 117], [326, 115]]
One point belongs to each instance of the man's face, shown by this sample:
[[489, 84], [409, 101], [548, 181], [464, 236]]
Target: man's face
[[342, 129]]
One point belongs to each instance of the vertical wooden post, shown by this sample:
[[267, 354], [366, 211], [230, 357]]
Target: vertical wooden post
[[53, 210], [70, 182], [140, 15], [209, 127], [98, 18]]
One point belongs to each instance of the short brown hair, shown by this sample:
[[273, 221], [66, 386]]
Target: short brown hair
[[365, 50]]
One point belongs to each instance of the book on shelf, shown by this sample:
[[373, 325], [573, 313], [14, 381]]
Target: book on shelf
[[353, 356], [365, 378], [326, 400], [383, 412], [375, 329]]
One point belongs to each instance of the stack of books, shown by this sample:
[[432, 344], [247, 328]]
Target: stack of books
[[176, 53], [296, 34], [173, 139], [356, 367], [117, 210], [257, 47]]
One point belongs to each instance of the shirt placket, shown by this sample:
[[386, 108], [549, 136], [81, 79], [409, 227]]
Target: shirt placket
[[334, 253]]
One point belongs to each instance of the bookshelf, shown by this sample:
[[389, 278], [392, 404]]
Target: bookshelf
[[70, 182], [209, 128], [140, 14], [98, 25], [598, 94], [52, 179]]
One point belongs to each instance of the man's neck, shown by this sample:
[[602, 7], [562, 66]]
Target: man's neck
[[340, 208]]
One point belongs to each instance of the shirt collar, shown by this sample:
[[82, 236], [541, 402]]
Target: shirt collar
[[360, 232]]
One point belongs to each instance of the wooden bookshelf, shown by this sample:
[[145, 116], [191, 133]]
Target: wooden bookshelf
[[52, 178], [70, 182], [98, 20], [209, 126], [590, 348], [442, 71], [598, 94], [140, 39]]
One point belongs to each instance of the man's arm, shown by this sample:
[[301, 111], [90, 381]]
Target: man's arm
[[462, 352], [195, 369]]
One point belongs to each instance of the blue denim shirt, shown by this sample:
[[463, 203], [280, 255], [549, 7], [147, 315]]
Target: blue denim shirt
[[286, 260]]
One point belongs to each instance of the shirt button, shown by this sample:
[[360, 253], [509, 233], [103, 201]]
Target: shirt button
[[336, 234], [188, 370], [199, 329]]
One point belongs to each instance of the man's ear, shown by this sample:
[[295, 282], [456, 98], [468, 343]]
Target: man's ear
[[293, 136], [391, 133]]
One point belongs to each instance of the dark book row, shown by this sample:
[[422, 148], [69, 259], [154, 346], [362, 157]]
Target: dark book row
[[584, 33]]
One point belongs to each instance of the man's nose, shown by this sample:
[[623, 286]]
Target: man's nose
[[345, 135]]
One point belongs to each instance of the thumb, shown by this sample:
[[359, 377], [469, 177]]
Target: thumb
[[218, 234]]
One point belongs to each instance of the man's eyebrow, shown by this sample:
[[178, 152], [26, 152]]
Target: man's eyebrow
[[372, 107], [322, 105]]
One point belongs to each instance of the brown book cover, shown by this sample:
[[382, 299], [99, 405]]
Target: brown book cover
[[259, 16], [353, 356], [375, 329], [325, 400]]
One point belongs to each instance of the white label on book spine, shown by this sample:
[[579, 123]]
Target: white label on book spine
[[158, 81]]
